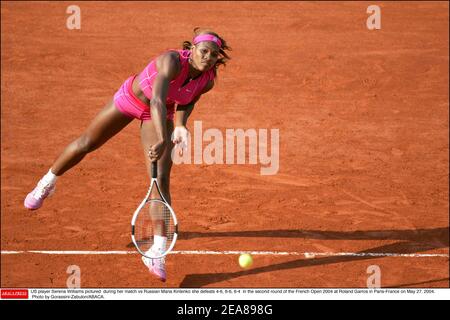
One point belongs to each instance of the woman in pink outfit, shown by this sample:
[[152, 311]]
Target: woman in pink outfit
[[162, 97]]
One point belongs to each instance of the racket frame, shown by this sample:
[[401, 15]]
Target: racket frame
[[154, 182]]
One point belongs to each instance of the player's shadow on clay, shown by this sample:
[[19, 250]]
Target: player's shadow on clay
[[412, 241], [418, 235]]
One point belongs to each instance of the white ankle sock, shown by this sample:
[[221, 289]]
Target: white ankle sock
[[50, 177], [160, 242]]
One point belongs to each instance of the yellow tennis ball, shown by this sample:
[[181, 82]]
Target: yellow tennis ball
[[245, 260]]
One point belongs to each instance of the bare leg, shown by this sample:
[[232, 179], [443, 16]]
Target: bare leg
[[105, 125], [148, 138]]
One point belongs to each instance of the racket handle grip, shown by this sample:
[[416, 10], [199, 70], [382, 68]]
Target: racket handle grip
[[154, 169]]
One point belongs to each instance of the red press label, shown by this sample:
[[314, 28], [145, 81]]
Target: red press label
[[14, 293]]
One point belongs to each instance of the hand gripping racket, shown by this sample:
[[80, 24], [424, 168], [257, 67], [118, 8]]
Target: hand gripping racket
[[154, 228]]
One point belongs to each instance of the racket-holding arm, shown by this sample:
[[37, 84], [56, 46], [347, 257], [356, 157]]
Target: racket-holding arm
[[158, 112], [168, 68]]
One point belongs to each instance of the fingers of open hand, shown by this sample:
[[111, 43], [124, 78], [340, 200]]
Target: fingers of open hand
[[180, 135]]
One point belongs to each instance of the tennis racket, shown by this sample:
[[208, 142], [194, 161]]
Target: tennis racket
[[154, 227]]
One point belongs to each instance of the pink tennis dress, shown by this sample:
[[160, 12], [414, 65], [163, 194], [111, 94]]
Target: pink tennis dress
[[126, 101]]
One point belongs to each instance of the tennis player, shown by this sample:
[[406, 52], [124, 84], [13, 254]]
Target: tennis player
[[162, 97]]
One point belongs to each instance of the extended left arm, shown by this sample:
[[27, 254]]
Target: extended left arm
[[180, 133], [184, 111]]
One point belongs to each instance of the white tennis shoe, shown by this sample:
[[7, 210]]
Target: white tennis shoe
[[35, 198]]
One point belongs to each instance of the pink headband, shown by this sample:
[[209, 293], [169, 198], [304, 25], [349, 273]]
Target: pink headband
[[208, 37]]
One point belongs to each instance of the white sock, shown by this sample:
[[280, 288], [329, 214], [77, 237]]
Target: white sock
[[50, 177], [160, 242]]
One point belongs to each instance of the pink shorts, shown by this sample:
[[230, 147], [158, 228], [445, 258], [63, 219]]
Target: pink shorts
[[126, 102]]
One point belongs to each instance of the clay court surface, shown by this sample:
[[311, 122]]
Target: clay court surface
[[363, 122]]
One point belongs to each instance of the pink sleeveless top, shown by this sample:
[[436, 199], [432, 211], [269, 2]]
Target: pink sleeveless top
[[177, 93]]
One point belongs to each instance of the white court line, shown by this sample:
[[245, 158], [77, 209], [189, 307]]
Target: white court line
[[269, 253]]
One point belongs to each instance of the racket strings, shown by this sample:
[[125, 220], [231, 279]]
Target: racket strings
[[154, 219]]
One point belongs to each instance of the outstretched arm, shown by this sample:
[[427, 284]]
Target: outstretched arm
[[184, 111], [180, 134]]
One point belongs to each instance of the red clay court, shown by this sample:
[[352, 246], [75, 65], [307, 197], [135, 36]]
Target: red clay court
[[363, 122]]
